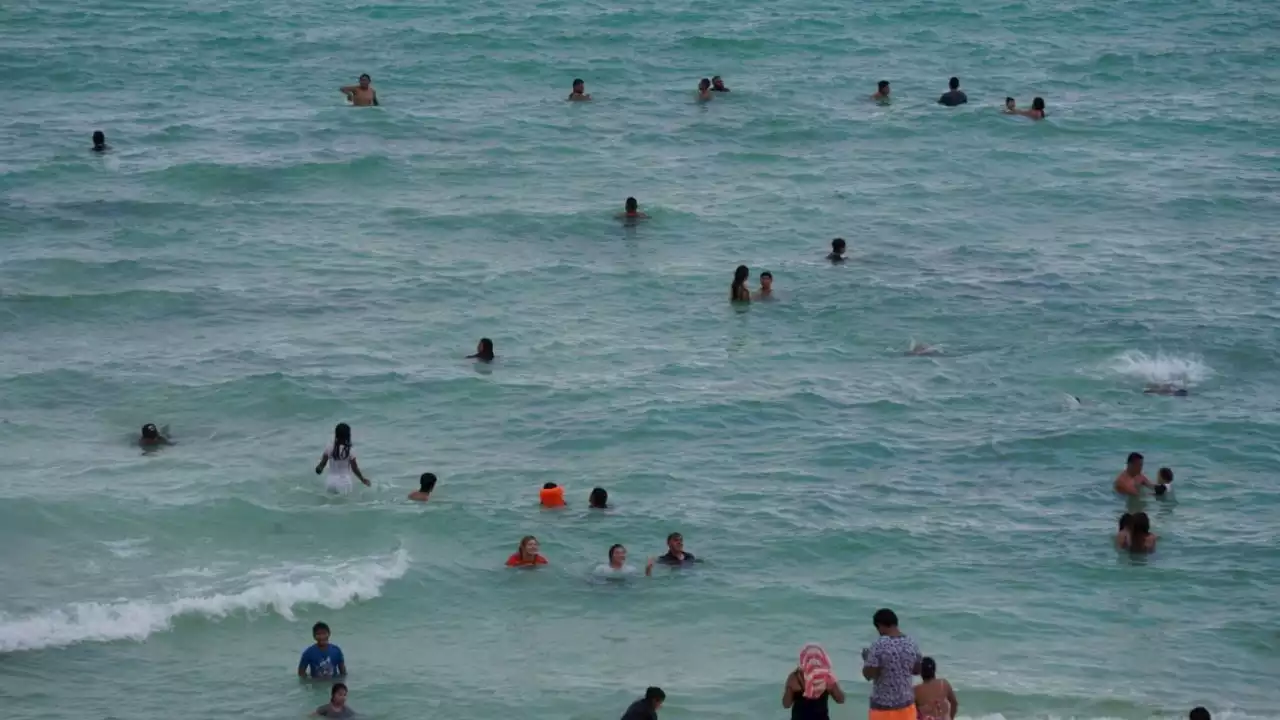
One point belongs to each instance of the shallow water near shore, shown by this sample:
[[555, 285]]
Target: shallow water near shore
[[254, 262]]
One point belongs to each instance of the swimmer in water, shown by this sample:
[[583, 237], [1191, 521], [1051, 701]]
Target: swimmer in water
[[1141, 539], [704, 89], [882, 92], [1036, 112], [579, 93], [954, 97], [738, 291], [618, 566], [1165, 389], [341, 459], [152, 437], [1131, 478], [676, 554], [631, 211], [1122, 535], [526, 555], [921, 349], [1164, 482], [717, 85], [100, 141], [766, 286], [337, 706], [1010, 106], [362, 94], [426, 486], [837, 251], [484, 351], [599, 499]]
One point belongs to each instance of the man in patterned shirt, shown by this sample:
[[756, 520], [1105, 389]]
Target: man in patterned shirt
[[890, 664]]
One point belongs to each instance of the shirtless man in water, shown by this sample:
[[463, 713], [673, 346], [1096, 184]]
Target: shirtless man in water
[[362, 95], [1131, 478]]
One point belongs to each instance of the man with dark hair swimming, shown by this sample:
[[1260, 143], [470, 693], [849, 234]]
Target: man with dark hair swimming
[[362, 94]]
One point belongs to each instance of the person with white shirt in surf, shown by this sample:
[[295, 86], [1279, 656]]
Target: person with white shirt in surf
[[341, 460]]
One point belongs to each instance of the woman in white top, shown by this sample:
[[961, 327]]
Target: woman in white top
[[341, 460]]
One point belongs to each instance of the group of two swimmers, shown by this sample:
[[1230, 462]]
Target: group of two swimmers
[[739, 292]]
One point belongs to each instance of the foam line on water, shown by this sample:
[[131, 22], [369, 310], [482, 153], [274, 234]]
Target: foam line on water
[[1160, 368]]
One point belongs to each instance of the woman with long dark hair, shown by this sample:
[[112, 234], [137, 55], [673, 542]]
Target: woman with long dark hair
[[738, 292], [484, 351], [1141, 539], [341, 460]]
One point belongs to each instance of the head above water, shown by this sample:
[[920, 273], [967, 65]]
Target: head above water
[[837, 245], [427, 483], [579, 85], [484, 349], [883, 87], [632, 205], [704, 84], [675, 542], [1200, 714], [341, 441], [766, 280], [928, 668], [1139, 530], [320, 631], [885, 620], [365, 80], [1165, 475], [1010, 103], [717, 83], [655, 696], [1038, 104], [338, 695], [617, 555], [1134, 463], [599, 498], [740, 275], [528, 547], [150, 432], [99, 139], [549, 486], [954, 83]]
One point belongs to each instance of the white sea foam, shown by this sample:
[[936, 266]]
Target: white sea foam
[[1160, 368], [331, 587]]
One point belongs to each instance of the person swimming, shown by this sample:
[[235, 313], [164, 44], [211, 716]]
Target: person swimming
[[340, 458], [579, 93], [599, 499], [1035, 113], [738, 291], [837, 251], [426, 486], [882, 92], [618, 567], [631, 210], [766, 286], [1010, 106], [153, 436], [526, 554], [717, 85], [704, 89], [100, 141], [484, 351], [337, 706], [361, 94], [954, 96]]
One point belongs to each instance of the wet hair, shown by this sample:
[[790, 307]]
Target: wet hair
[[739, 278], [716, 77], [766, 274], [333, 691], [427, 482], [674, 536], [1200, 714], [954, 83], [1165, 475], [1038, 104], [486, 349], [704, 83], [928, 668], [1133, 457], [150, 432], [523, 540], [654, 695], [885, 617], [99, 137], [1138, 532], [318, 627], [632, 205], [615, 546], [578, 81], [1008, 100], [341, 442], [365, 76], [882, 85], [1126, 522], [599, 498], [549, 486], [837, 243]]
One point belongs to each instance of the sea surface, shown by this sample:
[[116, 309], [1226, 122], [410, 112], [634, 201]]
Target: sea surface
[[254, 261]]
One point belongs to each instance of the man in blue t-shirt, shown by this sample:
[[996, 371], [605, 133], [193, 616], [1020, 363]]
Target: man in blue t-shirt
[[322, 660]]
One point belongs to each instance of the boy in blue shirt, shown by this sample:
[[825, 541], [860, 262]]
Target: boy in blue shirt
[[322, 660]]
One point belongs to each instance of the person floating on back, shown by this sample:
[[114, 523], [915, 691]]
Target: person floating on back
[[579, 93], [738, 291], [717, 85], [599, 499], [362, 94], [631, 210], [341, 460], [100, 141], [955, 96], [337, 706], [426, 486], [837, 251], [882, 92], [484, 351], [324, 659], [704, 89], [646, 708]]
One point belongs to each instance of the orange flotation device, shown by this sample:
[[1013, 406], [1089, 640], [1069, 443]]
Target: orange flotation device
[[551, 497]]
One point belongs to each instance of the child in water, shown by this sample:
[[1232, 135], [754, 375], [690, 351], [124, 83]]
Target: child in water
[[426, 485], [1164, 482]]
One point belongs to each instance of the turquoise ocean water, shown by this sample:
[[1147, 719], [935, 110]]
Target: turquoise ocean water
[[254, 262]]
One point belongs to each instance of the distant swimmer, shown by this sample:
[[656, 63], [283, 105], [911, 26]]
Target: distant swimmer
[[100, 141], [426, 486], [704, 89], [341, 460], [1035, 113], [579, 93], [1165, 389], [337, 706], [324, 659], [551, 495], [955, 96], [766, 286], [631, 211], [1131, 479], [484, 351], [361, 95], [882, 92], [1010, 106], [676, 554], [837, 251], [921, 349], [738, 291], [1164, 482], [618, 567], [717, 85], [153, 436], [599, 499], [527, 554]]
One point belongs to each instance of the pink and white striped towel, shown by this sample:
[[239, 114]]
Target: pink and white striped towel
[[815, 666]]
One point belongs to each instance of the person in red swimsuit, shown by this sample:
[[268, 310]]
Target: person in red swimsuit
[[527, 554]]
